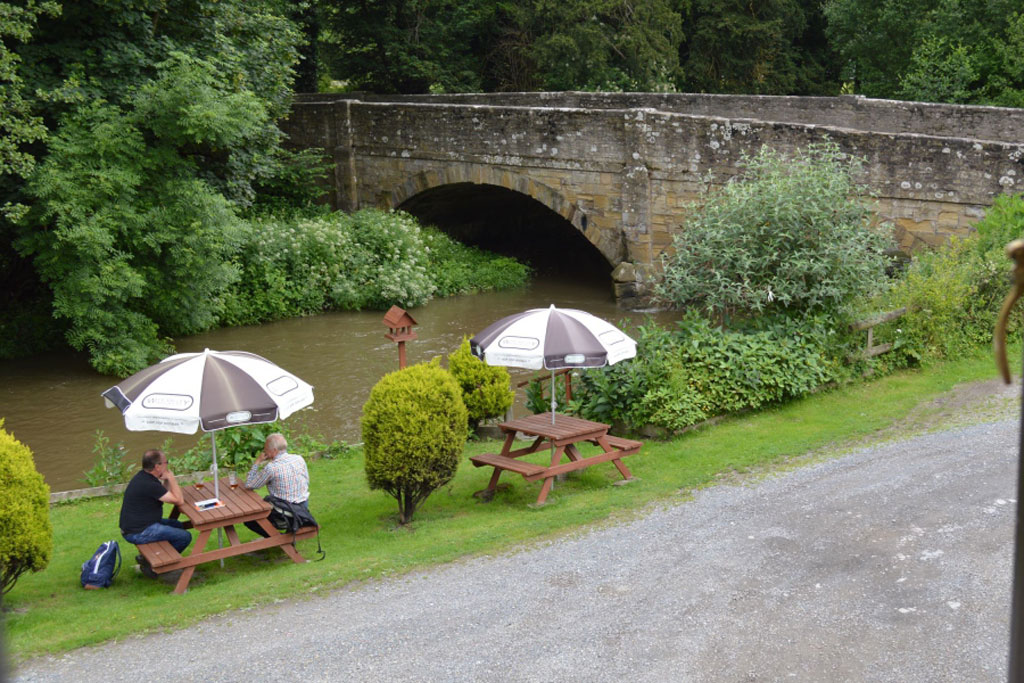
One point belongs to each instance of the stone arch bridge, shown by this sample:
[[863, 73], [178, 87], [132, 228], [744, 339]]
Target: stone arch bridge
[[622, 168]]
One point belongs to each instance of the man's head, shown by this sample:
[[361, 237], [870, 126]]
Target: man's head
[[154, 461], [274, 444]]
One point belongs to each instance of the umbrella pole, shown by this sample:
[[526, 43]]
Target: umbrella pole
[[216, 490], [553, 404]]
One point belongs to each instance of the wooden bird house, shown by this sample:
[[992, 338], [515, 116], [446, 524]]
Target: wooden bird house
[[399, 324]]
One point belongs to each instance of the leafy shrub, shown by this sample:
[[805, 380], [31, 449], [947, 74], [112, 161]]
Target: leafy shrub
[[486, 389], [26, 536], [414, 428], [110, 466], [301, 264], [538, 399], [953, 294], [460, 269], [238, 447], [682, 377], [789, 235]]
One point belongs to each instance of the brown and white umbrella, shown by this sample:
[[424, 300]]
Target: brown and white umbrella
[[212, 390], [552, 338]]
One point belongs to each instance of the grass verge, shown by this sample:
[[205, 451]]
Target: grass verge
[[48, 612]]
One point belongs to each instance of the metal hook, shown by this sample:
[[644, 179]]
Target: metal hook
[[1015, 251]]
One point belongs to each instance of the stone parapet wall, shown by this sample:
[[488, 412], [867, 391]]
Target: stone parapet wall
[[846, 111]]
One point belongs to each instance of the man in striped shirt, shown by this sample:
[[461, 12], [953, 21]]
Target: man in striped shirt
[[286, 478]]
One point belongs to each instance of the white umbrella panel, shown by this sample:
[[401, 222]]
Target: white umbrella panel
[[211, 390], [552, 338]]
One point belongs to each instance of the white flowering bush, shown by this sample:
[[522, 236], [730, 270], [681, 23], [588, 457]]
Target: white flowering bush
[[371, 259]]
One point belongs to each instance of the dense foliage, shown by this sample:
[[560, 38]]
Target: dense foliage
[[301, 265], [952, 295], [408, 46], [486, 389], [26, 537], [766, 48], [161, 120], [414, 428], [933, 50], [787, 236], [969, 51], [684, 376]]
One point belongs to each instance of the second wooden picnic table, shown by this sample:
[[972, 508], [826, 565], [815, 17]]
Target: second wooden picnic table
[[561, 435]]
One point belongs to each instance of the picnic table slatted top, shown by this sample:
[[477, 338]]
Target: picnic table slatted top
[[238, 503], [566, 428]]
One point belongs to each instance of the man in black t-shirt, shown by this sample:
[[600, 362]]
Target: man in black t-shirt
[[142, 510]]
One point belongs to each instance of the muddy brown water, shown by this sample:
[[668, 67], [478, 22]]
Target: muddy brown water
[[52, 402]]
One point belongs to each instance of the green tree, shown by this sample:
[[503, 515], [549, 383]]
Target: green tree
[[414, 428], [605, 44], [407, 46], [26, 536], [776, 47], [24, 304], [939, 72], [486, 389], [162, 122], [940, 50], [789, 236], [413, 46]]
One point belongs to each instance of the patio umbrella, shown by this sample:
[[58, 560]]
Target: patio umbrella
[[212, 390], [552, 338]]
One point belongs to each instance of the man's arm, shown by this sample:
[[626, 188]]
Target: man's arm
[[257, 477], [174, 495]]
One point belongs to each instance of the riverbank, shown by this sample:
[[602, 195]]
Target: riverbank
[[49, 613]]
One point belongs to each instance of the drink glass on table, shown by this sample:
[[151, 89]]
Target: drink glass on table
[[232, 480]]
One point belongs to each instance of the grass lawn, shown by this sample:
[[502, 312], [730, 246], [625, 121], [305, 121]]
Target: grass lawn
[[49, 612]]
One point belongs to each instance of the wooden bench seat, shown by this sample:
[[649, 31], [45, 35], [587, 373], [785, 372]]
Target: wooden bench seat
[[159, 554], [626, 446], [504, 462]]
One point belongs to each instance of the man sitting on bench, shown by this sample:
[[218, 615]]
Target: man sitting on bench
[[142, 519], [287, 480]]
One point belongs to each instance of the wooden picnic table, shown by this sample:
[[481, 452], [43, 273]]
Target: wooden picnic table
[[561, 436], [240, 505]]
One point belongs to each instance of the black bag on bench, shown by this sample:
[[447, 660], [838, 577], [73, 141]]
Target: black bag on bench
[[289, 517]]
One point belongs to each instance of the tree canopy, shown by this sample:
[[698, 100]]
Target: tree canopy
[[968, 51], [144, 127]]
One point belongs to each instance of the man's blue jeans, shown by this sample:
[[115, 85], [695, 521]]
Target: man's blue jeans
[[170, 530]]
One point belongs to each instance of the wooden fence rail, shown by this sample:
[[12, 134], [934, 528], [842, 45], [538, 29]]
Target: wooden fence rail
[[871, 349]]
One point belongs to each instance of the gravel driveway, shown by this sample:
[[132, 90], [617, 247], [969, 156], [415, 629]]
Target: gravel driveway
[[888, 564]]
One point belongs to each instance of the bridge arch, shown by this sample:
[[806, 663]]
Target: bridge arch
[[481, 175]]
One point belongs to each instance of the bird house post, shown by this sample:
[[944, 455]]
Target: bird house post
[[399, 324]]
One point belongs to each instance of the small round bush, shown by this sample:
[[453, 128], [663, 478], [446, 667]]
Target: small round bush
[[414, 429], [486, 389], [26, 537]]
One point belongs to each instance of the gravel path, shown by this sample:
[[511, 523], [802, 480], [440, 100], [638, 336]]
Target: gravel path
[[888, 564]]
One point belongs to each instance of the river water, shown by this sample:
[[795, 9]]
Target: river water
[[52, 402]]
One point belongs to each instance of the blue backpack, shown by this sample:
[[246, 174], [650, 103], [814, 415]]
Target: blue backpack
[[102, 567]]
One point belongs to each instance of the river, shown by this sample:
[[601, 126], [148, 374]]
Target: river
[[52, 402]]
